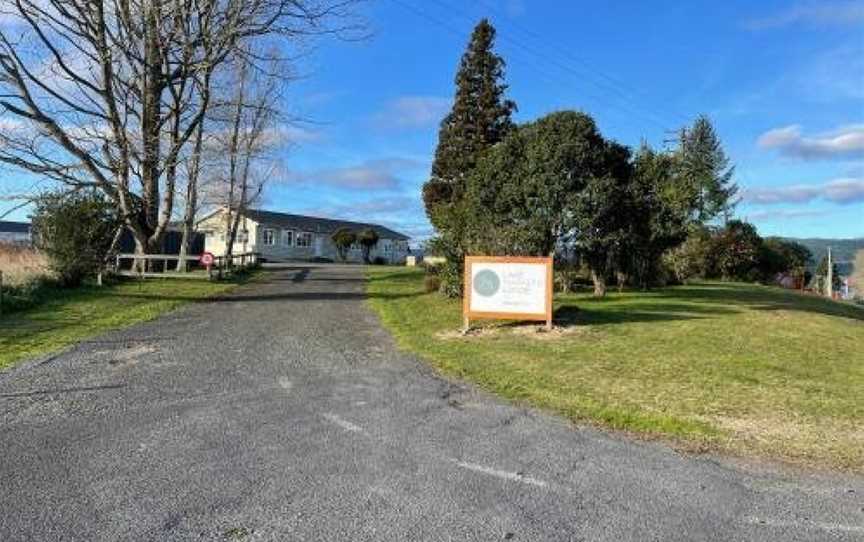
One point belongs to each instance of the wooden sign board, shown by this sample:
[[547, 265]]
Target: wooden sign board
[[507, 288]]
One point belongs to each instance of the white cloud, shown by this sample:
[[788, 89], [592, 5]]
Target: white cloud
[[413, 112], [842, 191], [784, 214], [300, 134], [845, 142], [373, 174], [812, 13]]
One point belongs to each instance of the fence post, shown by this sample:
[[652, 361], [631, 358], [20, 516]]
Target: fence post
[[1, 292]]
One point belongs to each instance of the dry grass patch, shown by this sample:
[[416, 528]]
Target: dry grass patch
[[21, 264]]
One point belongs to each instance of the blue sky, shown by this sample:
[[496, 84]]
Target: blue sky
[[783, 82]]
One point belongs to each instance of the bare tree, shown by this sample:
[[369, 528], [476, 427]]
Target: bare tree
[[250, 120], [109, 93]]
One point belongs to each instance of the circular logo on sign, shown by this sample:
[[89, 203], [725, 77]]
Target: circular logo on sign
[[486, 283], [206, 259]]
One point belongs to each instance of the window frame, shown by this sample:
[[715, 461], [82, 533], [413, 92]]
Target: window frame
[[303, 235], [264, 232]]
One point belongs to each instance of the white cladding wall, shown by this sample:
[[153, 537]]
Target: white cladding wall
[[278, 243]]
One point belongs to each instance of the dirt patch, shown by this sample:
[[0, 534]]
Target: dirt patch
[[531, 331]]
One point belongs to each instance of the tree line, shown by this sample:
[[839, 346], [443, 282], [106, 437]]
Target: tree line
[[557, 186]]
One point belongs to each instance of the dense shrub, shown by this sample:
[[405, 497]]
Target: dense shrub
[[569, 276], [28, 294], [74, 230], [379, 261], [736, 252]]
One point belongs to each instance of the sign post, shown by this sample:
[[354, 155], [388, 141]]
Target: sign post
[[507, 288], [206, 260]]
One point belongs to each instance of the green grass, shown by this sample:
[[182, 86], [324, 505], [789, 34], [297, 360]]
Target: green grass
[[739, 368], [70, 316]]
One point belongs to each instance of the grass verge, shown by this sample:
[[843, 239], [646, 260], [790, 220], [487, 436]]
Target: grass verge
[[738, 368], [70, 316]]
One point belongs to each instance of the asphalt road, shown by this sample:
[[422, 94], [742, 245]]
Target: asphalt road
[[285, 412]]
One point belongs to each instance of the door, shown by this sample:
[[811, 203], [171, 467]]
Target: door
[[318, 243]]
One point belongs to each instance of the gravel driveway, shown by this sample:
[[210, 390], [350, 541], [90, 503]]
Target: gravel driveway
[[284, 412]]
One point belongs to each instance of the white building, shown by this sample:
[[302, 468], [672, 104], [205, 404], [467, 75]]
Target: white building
[[281, 237]]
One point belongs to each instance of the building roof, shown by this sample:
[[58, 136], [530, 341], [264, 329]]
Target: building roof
[[14, 227], [318, 225]]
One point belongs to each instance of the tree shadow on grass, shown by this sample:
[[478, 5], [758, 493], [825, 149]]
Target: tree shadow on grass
[[763, 298], [571, 315]]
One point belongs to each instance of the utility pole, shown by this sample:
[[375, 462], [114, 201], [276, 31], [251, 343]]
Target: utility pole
[[829, 288]]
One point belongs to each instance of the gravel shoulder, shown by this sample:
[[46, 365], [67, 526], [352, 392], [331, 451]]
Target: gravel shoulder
[[283, 411]]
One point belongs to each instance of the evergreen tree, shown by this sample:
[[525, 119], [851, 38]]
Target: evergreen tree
[[520, 193], [658, 216], [480, 118], [706, 171]]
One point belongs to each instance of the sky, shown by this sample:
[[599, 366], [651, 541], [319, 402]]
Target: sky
[[783, 83]]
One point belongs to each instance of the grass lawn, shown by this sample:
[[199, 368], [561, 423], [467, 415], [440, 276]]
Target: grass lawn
[[739, 368], [75, 315]]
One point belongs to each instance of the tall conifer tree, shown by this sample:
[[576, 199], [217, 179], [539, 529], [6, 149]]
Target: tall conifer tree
[[480, 118], [705, 168]]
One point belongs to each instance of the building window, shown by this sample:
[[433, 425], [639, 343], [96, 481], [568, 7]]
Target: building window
[[287, 238], [242, 236], [268, 237], [387, 246], [304, 239]]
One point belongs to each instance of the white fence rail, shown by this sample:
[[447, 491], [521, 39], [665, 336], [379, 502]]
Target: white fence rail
[[148, 265]]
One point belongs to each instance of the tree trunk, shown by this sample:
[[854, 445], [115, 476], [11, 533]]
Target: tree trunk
[[599, 284], [622, 280], [191, 200]]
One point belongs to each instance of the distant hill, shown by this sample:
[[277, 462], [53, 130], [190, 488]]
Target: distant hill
[[842, 250]]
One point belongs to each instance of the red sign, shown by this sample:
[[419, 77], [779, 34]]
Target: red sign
[[206, 259]]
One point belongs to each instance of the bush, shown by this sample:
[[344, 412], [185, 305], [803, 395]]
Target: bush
[[450, 275], [431, 283], [568, 276], [28, 294], [75, 231], [379, 261]]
